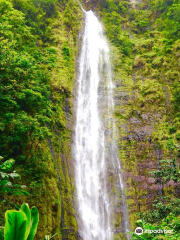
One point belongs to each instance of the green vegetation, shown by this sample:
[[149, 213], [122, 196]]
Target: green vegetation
[[38, 49], [165, 212], [170, 224], [6, 174], [20, 225], [169, 171]]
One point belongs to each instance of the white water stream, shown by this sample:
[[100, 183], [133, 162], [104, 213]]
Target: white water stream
[[94, 148]]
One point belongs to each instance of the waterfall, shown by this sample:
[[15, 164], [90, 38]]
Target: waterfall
[[94, 147]]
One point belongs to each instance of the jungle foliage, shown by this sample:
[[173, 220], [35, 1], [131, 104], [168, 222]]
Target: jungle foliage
[[7, 175], [37, 68], [28, 57], [37, 64]]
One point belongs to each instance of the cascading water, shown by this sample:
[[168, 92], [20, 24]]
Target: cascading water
[[91, 148]]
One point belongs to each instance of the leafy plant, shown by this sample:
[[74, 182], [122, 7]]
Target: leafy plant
[[161, 208], [6, 174], [170, 223], [20, 225], [169, 171], [24, 91]]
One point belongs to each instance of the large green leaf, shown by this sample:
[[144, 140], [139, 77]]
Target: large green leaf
[[34, 223], [7, 165], [26, 210], [15, 225], [3, 182], [1, 235]]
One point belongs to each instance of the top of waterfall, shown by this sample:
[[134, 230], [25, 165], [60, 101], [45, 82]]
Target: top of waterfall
[[81, 7]]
